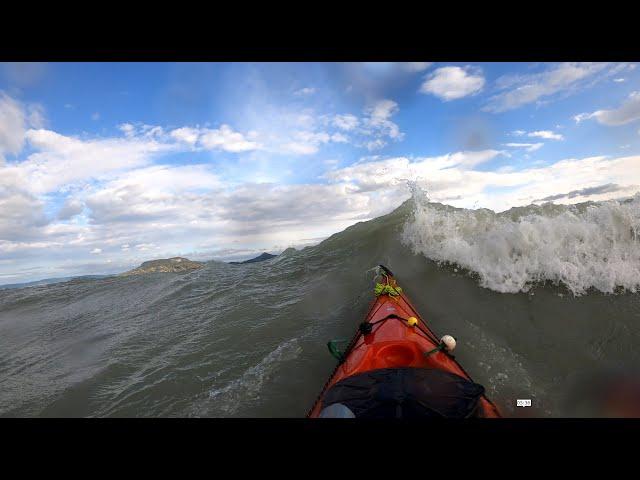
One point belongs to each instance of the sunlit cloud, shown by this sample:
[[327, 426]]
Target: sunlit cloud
[[627, 112], [452, 83], [522, 89]]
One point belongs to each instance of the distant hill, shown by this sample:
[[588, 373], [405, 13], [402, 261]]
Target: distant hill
[[165, 265], [260, 258]]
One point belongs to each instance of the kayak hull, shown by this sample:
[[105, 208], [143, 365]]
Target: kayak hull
[[390, 341]]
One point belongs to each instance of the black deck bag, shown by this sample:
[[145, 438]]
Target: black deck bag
[[406, 393]]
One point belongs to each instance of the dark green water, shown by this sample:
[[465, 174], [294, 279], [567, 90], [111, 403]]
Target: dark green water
[[250, 340]]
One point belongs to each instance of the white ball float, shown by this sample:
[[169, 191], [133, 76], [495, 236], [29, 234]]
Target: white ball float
[[449, 342]]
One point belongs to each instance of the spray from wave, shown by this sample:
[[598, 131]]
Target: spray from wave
[[584, 246]]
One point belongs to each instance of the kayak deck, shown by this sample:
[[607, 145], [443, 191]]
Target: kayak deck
[[388, 340]]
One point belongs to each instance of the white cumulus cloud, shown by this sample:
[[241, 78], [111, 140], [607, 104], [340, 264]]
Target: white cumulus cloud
[[186, 134], [451, 83], [225, 138]]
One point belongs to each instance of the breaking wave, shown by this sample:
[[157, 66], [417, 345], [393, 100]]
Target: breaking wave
[[584, 246]]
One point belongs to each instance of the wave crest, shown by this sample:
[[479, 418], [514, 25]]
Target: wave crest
[[593, 245]]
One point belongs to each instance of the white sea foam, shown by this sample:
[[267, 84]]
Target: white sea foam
[[585, 246]]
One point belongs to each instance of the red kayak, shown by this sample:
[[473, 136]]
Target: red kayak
[[395, 366]]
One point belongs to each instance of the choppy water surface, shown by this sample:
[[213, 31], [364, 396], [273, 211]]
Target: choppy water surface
[[537, 298]]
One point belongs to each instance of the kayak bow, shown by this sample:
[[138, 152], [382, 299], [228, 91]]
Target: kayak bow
[[396, 366]]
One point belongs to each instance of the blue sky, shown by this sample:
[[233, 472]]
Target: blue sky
[[104, 165]]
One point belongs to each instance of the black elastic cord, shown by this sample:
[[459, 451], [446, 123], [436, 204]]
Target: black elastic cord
[[419, 325]]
